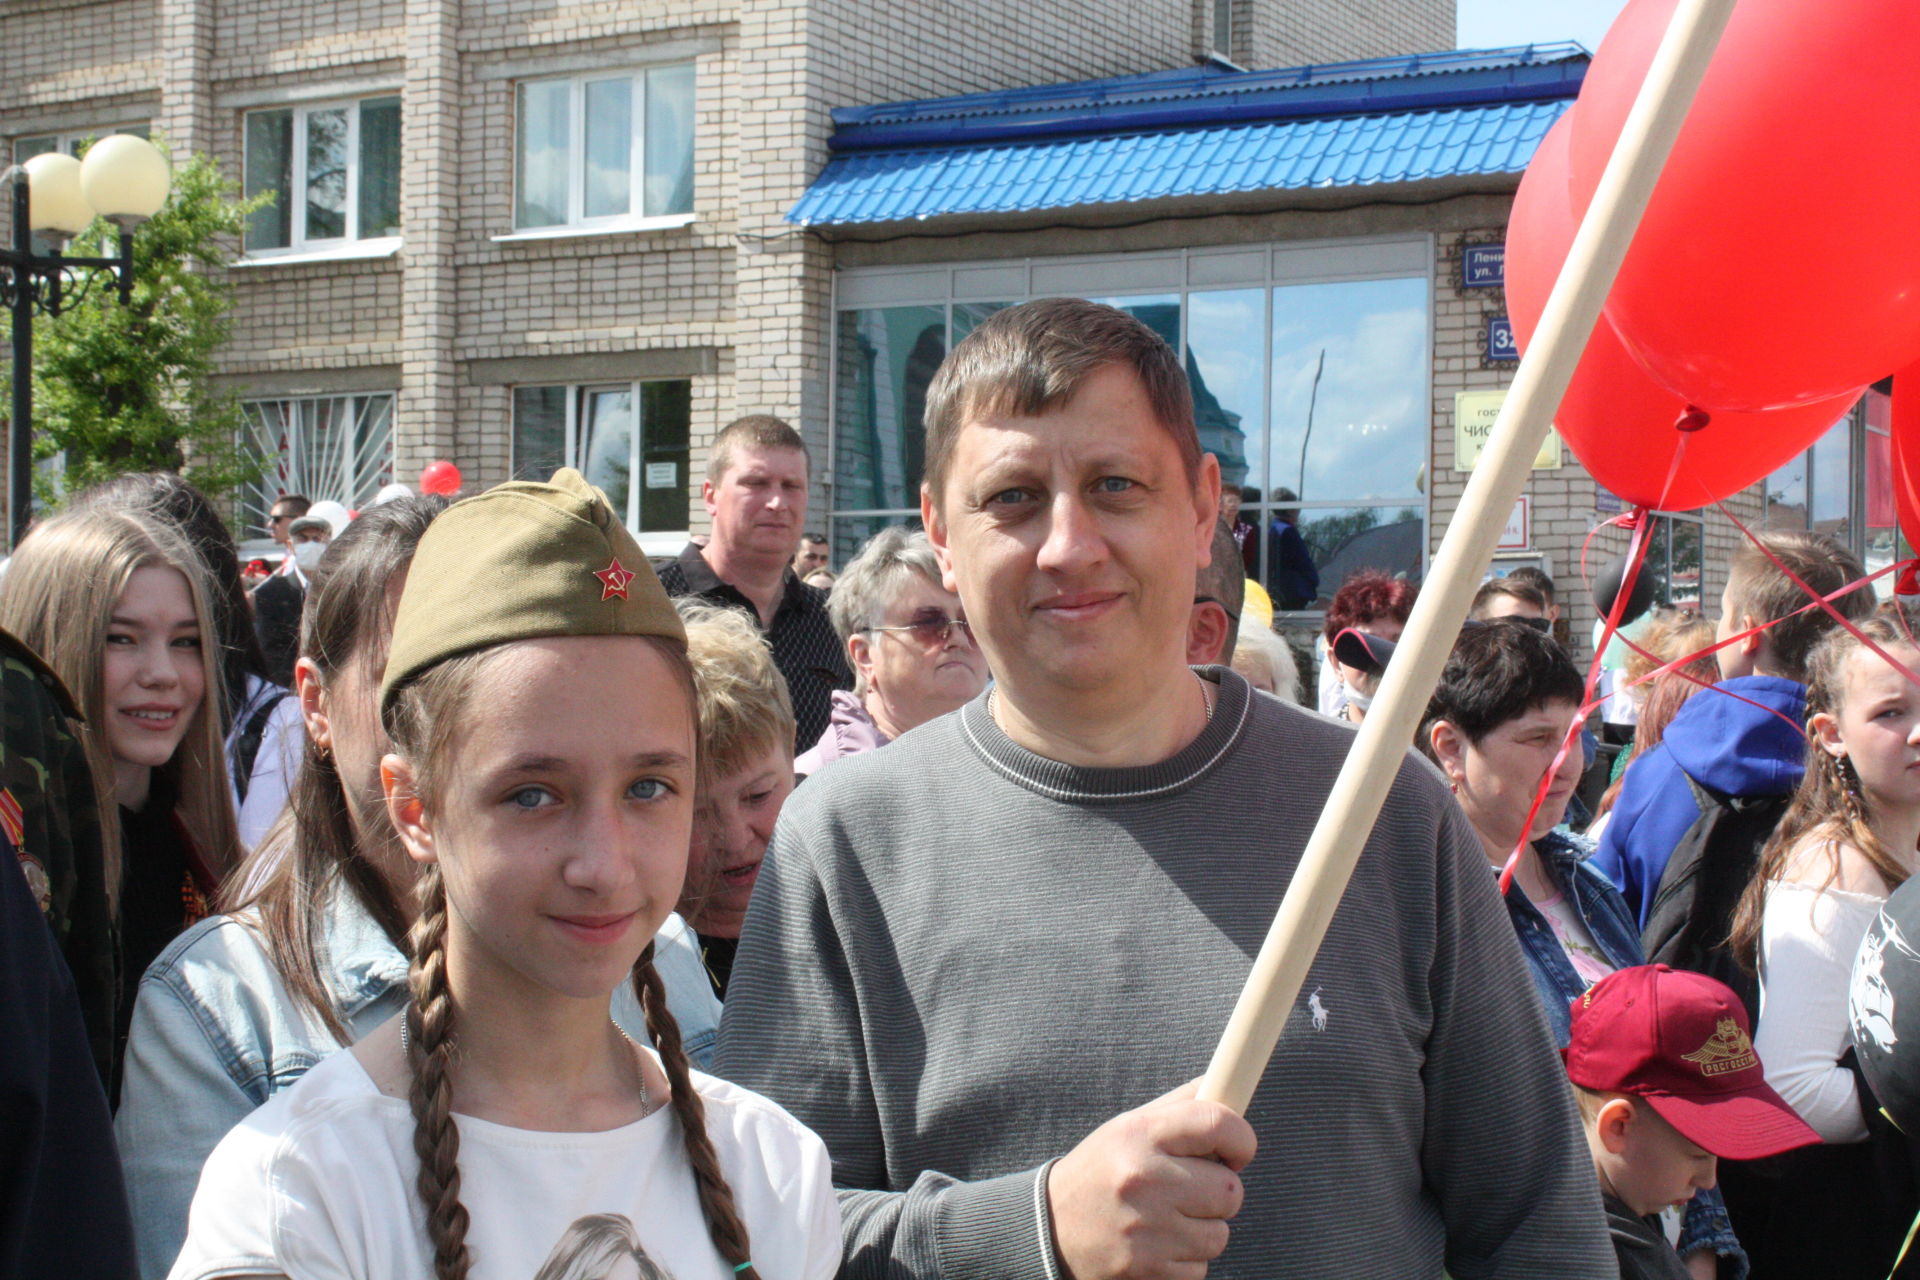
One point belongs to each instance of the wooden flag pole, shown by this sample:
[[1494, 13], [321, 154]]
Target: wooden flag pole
[[1498, 478]]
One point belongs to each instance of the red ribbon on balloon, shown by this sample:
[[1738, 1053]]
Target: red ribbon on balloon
[[1640, 440]]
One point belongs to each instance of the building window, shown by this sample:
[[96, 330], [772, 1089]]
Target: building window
[[334, 171], [1223, 28], [629, 438], [71, 141], [1309, 369], [1843, 487], [338, 447], [602, 150]]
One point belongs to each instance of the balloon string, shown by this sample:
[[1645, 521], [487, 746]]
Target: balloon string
[[1638, 520], [1825, 602], [1676, 666]]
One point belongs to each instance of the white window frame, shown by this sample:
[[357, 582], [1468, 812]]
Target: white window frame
[[298, 242], [66, 140], [655, 542], [636, 217]]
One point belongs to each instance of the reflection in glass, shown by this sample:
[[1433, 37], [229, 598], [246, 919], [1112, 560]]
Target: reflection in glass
[[1350, 411], [541, 125], [1225, 358], [1160, 312], [967, 317], [1833, 481], [1341, 541], [1787, 495], [327, 174], [380, 167], [539, 432], [609, 147], [666, 420], [269, 167], [885, 358], [669, 141], [607, 429]]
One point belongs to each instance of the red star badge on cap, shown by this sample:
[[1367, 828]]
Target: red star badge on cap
[[613, 580]]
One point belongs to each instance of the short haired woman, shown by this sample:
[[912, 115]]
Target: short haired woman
[[1496, 722], [1370, 601], [907, 640], [746, 774]]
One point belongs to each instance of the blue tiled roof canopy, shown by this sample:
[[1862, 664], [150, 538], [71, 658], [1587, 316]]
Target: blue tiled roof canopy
[[1206, 131]]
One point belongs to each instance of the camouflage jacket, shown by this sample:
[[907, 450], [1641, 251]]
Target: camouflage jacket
[[48, 811]]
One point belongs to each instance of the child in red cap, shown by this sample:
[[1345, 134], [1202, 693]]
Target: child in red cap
[[1663, 1065]]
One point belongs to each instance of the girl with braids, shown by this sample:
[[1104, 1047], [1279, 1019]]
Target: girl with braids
[[118, 605], [1846, 841], [542, 775], [311, 954]]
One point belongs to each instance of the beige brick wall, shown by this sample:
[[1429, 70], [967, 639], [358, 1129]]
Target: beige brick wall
[[1303, 31]]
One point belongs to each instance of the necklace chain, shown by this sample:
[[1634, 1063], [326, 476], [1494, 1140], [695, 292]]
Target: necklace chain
[[646, 1099]]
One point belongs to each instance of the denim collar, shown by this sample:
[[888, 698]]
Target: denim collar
[[362, 962]]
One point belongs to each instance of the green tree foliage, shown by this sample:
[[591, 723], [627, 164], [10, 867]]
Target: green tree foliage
[[130, 388]]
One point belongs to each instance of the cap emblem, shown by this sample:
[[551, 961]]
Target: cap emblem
[[1727, 1049], [614, 580]]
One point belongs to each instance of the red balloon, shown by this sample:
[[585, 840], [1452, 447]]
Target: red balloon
[[1776, 263], [1619, 422], [440, 477]]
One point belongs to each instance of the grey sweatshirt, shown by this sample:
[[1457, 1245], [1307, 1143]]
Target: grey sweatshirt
[[961, 958]]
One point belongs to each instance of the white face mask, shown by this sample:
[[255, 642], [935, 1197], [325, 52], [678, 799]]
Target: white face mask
[[307, 555], [1358, 700]]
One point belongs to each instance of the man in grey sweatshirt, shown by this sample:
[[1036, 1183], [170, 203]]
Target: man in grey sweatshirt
[[981, 961]]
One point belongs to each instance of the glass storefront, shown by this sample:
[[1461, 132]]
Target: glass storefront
[[1310, 374]]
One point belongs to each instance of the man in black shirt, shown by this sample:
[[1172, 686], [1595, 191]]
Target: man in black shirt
[[756, 494]]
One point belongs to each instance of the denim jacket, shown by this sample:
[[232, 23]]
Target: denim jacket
[[215, 1034], [1563, 856]]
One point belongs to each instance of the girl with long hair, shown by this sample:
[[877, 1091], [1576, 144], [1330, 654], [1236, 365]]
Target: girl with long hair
[[540, 707], [1846, 841], [118, 606], [261, 719]]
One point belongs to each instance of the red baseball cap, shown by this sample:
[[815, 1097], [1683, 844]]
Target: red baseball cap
[[1682, 1042]]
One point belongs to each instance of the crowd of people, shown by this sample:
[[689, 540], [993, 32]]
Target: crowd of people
[[471, 896]]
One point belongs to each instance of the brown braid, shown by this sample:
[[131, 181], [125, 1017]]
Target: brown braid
[[729, 1233], [436, 1140]]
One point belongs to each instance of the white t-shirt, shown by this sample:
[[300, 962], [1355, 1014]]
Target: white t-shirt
[[1808, 939], [318, 1184]]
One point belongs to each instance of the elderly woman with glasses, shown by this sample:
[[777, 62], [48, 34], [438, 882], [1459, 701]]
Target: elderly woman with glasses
[[912, 655]]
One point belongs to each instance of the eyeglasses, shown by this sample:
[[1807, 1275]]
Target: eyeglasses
[[1231, 615], [933, 629]]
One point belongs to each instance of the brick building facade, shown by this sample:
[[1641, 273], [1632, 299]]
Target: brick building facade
[[528, 232], [426, 338]]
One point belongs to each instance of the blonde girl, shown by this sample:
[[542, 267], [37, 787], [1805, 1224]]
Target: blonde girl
[[118, 604], [540, 706], [1847, 840]]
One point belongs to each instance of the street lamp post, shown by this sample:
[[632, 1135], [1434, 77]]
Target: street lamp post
[[125, 180]]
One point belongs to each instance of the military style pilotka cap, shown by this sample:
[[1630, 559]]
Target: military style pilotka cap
[[521, 561]]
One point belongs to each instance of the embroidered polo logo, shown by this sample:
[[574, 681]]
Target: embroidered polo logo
[[614, 580], [1727, 1049]]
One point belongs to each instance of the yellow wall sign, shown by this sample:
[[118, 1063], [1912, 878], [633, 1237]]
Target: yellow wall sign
[[1473, 416]]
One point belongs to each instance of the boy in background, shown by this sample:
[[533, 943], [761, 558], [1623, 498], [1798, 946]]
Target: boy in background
[[1732, 751], [1663, 1067]]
